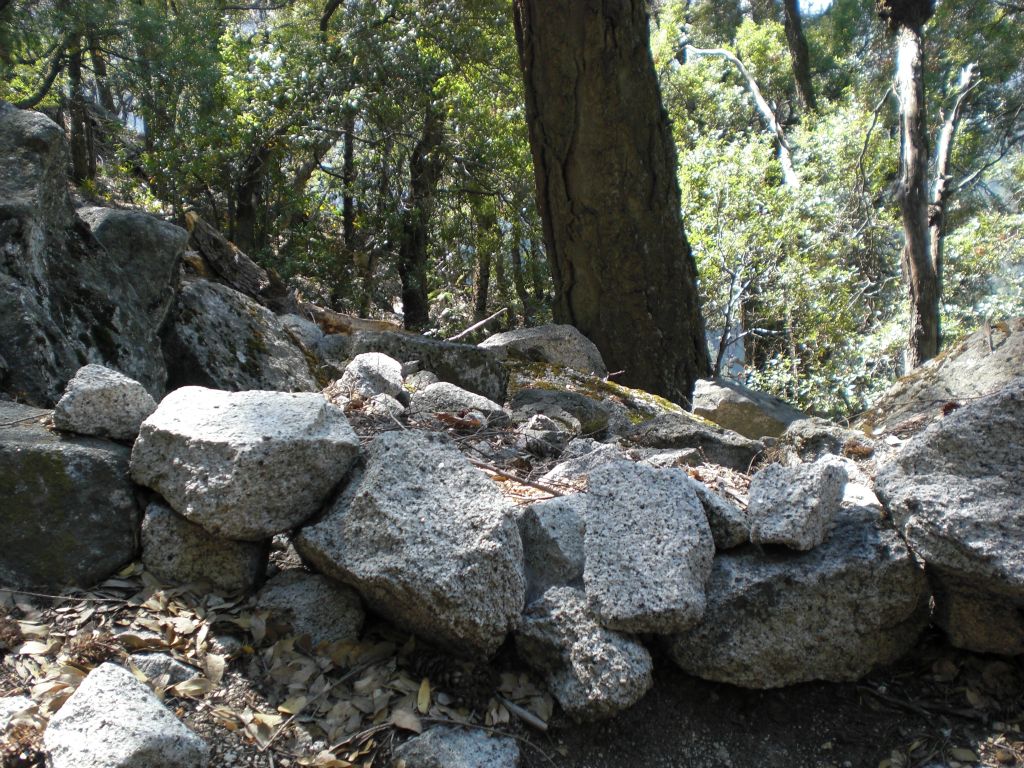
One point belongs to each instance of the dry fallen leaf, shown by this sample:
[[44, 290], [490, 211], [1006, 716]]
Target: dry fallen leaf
[[423, 697], [406, 720]]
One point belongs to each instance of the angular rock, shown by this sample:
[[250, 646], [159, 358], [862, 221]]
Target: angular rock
[[955, 492], [303, 332], [648, 549], [580, 414], [834, 613], [244, 465], [103, 403], [558, 344], [671, 457], [681, 430], [751, 413], [155, 665], [810, 439], [444, 397], [114, 721], [418, 380], [450, 747], [795, 506], [178, 551], [428, 541], [730, 525], [575, 467], [552, 532], [371, 373], [222, 339], [94, 286], [313, 605], [68, 515], [593, 672], [470, 367]]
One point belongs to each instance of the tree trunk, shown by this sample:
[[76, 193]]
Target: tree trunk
[[799, 54], [348, 179], [249, 200], [424, 174], [83, 162], [605, 169], [99, 70], [518, 277]]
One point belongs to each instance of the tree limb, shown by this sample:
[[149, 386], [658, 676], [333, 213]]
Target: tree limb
[[56, 65]]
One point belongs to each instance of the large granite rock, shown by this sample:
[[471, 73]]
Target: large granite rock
[[682, 430], [470, 367], [552, 532], [955, 491], [222, 339], [452, 747], [558, 344], [795, 506], [648, 549], [244, 465], [114, 721], [103, 403], [74, 288], [68, 513], [777, 617], [428, 541], [751, 413], [593, 672]]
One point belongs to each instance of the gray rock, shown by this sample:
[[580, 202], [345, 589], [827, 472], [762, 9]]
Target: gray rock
[[383, 405], [68, 515], [444, 397], [730, 525], [835, 613], [156, 665], [315, 606], [428, 541], [682, 430], [542, 436], [795, 506], [558, 344], [451, 747], [222, 339], [70, 296], [671, 457], [593, 672], [11, 707], [303, 332], [176, 550], [104, 403], [369, 374], [418, 380], [648, 549], [244, 465], [575, 468], [751, 413], [552, 532], [114, 721], [580, 414], [955, 492], [468, 366], [810, 439]]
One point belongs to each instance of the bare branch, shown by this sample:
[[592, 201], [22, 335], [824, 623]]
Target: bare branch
[[56, 65]]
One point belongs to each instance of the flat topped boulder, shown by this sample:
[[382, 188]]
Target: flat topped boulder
[[244, 465], [751, 413], [683, 430], [557, 344], [428, 541]]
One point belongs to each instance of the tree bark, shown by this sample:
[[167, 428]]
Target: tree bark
[[518, 277], [348, 179], [99, 70], [425, 166], [83, 160], [249, 200], [799, 55], [605, 168]]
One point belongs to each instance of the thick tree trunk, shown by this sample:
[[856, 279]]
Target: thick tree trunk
[[99, 70], [605, 169], [348, 179], [249, 200], [83, 158], [518, 276], [799, 55], [424, 174]]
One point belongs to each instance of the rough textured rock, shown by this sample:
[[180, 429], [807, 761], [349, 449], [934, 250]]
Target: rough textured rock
[[444, 397], [303, 332], [176, 550], [983, 363], [104, 403], [557, 344], [11, 707], [371, 373], [114, 721], [580, 458], [648, 549], [74, 288], [244, 465], [579, 414], [428, 541], [810, 439], [450, 747], [155, 665], [542, 436], [383, 406], [313, 605], [955, 492], [222, 339], [552, 532], [751, 413], [681, 430], [779, 618], [418, 380], [470, 367], [795, 506], [730, 525], [593, 672], [68, 515]]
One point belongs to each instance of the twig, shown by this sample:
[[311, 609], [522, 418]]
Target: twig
[[863, 180], [524, 714], [45, 596], [925, 710], [19, 421], [474, 326], [511, 476]]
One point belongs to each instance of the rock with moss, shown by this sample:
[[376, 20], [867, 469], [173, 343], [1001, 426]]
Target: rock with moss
[[562, 345], [751, 413], [221, 339], [578, 414], [68, 516]]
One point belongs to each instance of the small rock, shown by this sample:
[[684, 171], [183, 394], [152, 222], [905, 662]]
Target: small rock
[[369, 374], [811, 438], [730, 526], [418, 380], [575, 466], [751, 413], [683, 430], [313, 605], [156, 665], [795, 506], [542, 436], [558, 344], [579, 414], [114, 721], [448, 398], [552, 532], [102, 402], [384, 405], [450, 747], [11, 707]]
